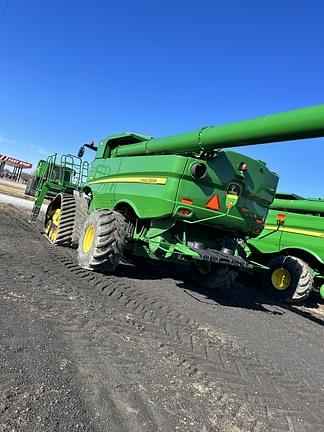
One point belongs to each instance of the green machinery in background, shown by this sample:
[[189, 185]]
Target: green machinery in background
[[31, 185], [179, 198], [57, 173], [291, 246], [53, 177]]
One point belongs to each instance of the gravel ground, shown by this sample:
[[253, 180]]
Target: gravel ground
[[19, 202], [12, 188], [14, 193], [144, 350]]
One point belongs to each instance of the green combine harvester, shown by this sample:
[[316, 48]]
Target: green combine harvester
[[52, 177], [291, 247], [49, 170], [181, 198]]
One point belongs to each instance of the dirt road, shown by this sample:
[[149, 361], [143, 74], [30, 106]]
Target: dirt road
[[14, 189], [14, 193], [144, 350]]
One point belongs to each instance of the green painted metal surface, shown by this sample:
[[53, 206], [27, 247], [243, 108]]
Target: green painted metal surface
[[54, 171], [161, 186], [321, 291], [184, 197], [301, 234], [54, 176], [41, 168], [302, 229], [154, 180], [297, 124]]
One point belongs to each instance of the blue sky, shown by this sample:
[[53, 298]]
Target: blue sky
[[77, 70]]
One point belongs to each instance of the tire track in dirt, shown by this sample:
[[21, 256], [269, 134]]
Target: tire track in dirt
[[37, 391], [213, 366]]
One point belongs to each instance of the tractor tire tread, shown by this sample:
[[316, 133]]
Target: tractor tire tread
[[108, 250]]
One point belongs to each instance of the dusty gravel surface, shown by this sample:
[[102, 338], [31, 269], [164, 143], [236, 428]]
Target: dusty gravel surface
[[144, 350], [14, 193], [14, 189]]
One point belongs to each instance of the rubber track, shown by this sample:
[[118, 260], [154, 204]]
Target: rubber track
[[254, 383], [81, 206], [66, 221]]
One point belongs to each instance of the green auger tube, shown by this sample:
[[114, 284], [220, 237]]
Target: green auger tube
[[297, 124]]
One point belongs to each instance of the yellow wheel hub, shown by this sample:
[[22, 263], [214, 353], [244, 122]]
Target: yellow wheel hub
[[281, 279], [56, 216], [88, 238], [51, 227]]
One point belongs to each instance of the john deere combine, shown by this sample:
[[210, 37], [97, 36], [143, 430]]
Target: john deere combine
[[291, 246], [59, 181], [49, 170], [179, 198]]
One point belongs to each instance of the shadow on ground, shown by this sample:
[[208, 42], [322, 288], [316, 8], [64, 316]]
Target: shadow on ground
[[245, 293]]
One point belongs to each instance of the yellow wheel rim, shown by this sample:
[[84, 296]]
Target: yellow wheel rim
[[281, 279], [56, 216], [88, 238], [51, 227]]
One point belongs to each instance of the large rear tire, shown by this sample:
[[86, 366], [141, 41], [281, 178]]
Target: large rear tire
[[289, 279], [213, 276], [102, 241], [59, 220]]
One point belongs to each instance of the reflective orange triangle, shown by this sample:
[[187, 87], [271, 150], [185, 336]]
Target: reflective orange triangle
[[213, 203]]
